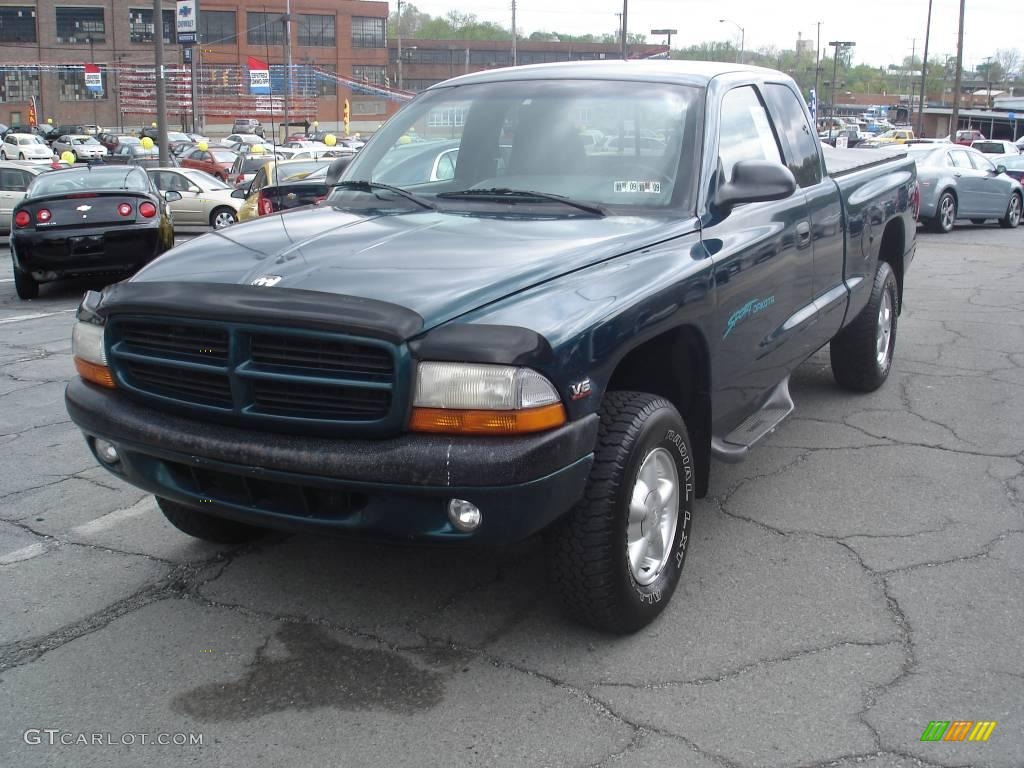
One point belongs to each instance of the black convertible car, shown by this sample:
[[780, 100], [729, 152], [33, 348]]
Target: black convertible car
[[88, 220]]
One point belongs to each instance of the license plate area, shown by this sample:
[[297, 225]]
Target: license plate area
[[85, 245]]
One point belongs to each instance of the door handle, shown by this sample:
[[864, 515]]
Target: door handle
[[957, 175], [803, 232]]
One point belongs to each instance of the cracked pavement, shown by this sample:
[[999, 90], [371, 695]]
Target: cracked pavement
[[859, 576]]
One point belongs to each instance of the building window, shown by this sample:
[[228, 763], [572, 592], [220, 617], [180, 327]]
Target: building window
[[326, 85], [368, 32], [19, 84], [140, 25], [80, 25], [72, 85], [217, 28], [447, 117], [418, 85], [264, 28], [316, 30], [17, 24], [490, 58], [371, 73]]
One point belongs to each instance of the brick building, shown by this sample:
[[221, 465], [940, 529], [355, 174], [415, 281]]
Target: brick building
[[43, 45]]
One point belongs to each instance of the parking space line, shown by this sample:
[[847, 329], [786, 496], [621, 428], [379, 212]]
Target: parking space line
[[111, 519], [34, 316], [25, 553]]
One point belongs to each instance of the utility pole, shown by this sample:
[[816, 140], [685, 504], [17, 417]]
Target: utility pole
[[924, 73], [817, 69], [988, 82], [839, 46], [954, 119], [513, 33], [161, 93], [398, 29], [625, 30], [287, 19]]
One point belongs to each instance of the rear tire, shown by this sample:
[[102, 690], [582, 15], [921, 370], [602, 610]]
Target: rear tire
[[617, 555], [861, 354], [25, 285], [218, 530], [1013, 212], [945, 214]]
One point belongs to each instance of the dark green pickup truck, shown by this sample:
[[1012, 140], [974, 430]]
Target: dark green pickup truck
[[608, 285]]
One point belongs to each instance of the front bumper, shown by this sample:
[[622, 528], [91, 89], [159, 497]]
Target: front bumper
[[396, 488], [65, 252]]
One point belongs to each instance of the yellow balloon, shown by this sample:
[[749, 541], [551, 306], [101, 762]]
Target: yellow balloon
[[67, 157], [330, 139], [203, 146], [257, 149], [405, 140], [152, 125], [49, 121], [147, 143], [316, 123]]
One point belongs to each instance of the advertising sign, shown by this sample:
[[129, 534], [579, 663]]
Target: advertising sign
[[187, 20], [93, 78], [259, 76]]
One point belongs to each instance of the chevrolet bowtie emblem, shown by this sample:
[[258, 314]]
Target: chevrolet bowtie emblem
[[84, 208]]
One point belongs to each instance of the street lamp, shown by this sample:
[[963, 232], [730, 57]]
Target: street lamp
[[743, 36], [840, 47]]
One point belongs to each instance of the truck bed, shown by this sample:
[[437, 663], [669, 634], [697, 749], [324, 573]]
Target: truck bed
[[841, 162]]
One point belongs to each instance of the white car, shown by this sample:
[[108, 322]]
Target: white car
[[81, 146], [995, 147], [14, 180], [24, 146], [242, 138]]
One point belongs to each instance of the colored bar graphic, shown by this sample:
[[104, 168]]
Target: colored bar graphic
[[982, 730], [958, 730], [935, 731]]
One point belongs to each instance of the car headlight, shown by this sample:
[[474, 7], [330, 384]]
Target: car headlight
[[87, 344], [475, 398]]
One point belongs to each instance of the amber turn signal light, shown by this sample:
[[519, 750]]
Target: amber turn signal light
[[96, 374], [482, 422]]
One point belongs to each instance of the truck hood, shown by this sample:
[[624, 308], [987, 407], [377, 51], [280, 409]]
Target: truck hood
[[440, 265]]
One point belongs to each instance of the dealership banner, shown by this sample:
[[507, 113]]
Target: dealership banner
[[259, 76], [93, 78], [186, 20]]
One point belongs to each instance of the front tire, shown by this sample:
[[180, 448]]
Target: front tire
[[25, 285], [861, 353], [218, 530], [222, 217], [617, 555], [1013, 212], [945, 214]]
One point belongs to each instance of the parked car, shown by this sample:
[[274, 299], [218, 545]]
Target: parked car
[[560, 347], [87, 221], [247, 125], [14, 180], [272, 172], [421, 162], [216, 161], [1013, 163], [896, 136], [24, 146], [114, 141], [81, 146], [295, 192], [244, 169], [995, 147], [968, 137], [129, 152], [959, 182], [205, 199], [67, 130]]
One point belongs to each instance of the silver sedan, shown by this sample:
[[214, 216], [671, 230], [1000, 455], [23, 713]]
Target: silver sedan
[[81, 146], [205, 200], [958, 182]]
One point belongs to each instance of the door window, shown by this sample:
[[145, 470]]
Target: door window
[[800, 143], [746, 130], [13, 181], [981, 162], [960, 159]]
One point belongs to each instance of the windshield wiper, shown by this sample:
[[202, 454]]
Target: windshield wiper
[[371, 186], [503, 192]]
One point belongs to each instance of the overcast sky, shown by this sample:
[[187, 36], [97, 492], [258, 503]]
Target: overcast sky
[[883, 29]]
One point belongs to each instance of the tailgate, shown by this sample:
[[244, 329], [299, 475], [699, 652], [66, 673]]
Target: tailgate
[[86, 209]]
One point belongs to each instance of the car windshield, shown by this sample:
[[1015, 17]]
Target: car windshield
[[223, 155], [1014, 162], [527, 136], [88, 179], [80, 140], [253, 163], [205, 180], [177, 136], [926, 154], [26, 140], [990, 147]]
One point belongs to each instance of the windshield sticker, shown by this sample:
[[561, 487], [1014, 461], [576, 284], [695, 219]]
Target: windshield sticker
[[642, 187]]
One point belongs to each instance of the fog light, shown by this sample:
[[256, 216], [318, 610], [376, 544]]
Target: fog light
[[107, 453], [464, 515]]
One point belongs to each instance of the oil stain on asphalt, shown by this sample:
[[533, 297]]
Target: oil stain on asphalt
[[317, 671]]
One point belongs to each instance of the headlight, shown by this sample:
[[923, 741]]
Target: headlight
[[473, 398], [87, 347]]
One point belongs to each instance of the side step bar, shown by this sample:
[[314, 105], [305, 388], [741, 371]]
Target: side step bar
[[733, 447]]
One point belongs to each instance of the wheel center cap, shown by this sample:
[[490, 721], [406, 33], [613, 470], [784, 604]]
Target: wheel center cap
[[652, 505]]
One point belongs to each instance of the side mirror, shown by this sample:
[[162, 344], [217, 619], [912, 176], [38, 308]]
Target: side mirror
[[1000, 169], [172, 196], [337, 168], [755, 181], [241, 193]]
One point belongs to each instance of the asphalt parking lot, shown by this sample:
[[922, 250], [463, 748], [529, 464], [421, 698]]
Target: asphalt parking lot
[[859, 577]]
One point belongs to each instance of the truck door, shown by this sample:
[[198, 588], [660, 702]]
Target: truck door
[[763, 269], [824, 211]]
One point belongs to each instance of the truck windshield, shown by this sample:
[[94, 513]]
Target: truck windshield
[[619, 145]]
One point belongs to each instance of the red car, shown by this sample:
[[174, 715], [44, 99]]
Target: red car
[[966, 137], [216, 161]]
